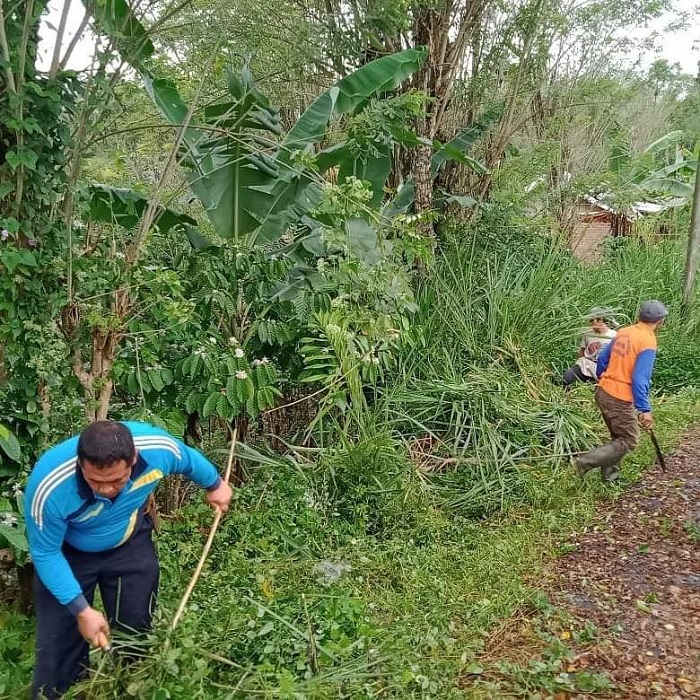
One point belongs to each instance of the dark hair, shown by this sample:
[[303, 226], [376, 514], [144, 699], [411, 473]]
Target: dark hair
[[104, 443]]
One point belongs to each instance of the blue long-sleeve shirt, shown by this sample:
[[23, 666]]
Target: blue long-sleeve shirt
[[62, 508]]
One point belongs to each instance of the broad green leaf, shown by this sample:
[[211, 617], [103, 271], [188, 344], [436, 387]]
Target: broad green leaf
[[192, 403], [210, 404], [402, 201], [295, 192], [197, 240], [669, 186], [451, 153], [132, 383], [223, 408], [245, 191], [377, 77], [167, 99], [374, 170], [456, 147], [10, 444], [145, 383], [18, 259], [231, 390], [156, 380], [125, 207], [225, 162], [462, 201], [620, 158], [362, 240], [684, 165], [24, 157], [15, 538], [673, 138]]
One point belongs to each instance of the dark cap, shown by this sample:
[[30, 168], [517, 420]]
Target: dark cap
[[652, 311]]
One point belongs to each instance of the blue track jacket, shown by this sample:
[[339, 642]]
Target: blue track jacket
[[61, 507]]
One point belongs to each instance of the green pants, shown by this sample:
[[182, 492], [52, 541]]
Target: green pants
[[621, 419]]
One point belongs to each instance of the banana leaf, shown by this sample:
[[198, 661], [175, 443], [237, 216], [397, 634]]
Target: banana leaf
[[124, 207], [296, 191]]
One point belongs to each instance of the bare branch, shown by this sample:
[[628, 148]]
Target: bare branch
[[74, 41], [56, 58], [6, 54]]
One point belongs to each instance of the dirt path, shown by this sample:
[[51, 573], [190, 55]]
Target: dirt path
[[632, 581]]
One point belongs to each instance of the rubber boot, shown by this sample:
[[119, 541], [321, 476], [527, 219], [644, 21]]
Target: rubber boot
[[609, 474], [603, 456], [582, 469]]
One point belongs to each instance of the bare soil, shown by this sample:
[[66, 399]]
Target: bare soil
[[635, 575]]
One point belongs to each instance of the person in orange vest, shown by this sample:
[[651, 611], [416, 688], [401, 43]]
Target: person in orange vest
[[624, 371]]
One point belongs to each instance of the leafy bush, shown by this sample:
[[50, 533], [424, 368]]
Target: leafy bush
[[368, 484]]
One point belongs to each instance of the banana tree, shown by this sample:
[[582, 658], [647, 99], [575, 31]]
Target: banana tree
[[665, 169], [456, 149], [254, 183]]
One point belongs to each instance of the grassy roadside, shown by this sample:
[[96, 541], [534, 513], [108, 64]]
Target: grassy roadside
[[290, 607]]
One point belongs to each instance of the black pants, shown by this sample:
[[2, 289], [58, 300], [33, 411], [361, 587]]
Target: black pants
[[128, 581], [574, 374]]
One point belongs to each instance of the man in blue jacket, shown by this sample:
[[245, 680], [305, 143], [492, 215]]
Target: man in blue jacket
[[88, 526]]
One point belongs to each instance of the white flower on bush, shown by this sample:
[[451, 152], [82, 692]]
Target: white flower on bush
[[9, 519], [239, 353], [16, 489], [332, 328], [375, 360], [232, 341], [241, 374], [258, 363], [212, 340]]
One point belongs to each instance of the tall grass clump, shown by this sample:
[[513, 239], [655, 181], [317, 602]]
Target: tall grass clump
[[636, 270], [477, 378], [629, 272], [473, 382]]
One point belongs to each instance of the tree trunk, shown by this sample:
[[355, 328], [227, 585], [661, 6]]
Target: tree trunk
[[97, 383], [446, 29], [193, 431], [422, 178], [693, 257]]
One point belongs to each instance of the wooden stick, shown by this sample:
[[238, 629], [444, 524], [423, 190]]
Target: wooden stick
[[207, 546]]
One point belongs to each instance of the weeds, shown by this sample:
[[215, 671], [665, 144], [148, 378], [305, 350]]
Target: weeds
[[369, 569]]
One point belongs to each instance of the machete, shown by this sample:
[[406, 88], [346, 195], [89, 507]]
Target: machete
[[659, 453]]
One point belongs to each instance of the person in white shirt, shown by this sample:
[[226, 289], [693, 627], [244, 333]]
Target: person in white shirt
[[598, 334]]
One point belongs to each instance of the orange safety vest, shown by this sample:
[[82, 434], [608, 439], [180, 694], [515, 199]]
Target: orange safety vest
[[616, 380]]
